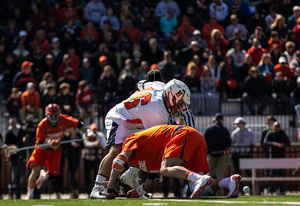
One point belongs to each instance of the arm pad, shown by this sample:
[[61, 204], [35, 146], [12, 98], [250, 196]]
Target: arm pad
[[119, 161]]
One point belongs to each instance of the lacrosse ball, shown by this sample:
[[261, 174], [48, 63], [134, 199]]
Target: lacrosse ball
[[246, 189]]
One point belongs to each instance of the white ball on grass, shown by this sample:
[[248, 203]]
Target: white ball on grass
[[246, 189]]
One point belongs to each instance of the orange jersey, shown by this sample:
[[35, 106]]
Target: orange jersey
[[153, 145], [46, 131]]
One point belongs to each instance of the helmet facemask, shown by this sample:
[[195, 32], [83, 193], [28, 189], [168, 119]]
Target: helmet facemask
[[52, 113]]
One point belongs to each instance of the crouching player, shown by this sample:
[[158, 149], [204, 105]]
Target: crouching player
[[50, 129], [172, 151]]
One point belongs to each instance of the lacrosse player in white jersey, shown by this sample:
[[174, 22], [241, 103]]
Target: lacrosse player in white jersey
[[154, 103]]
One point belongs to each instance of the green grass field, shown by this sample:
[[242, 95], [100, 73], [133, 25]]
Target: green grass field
[[243, 200]]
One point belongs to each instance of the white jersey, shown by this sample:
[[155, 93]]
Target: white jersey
[[142, 110]]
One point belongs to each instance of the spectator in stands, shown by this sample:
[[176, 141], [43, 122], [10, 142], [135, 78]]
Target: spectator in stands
[[255, 88], [125, 14], [163, 6], [259, 34], [175, 45], [56, 12], [218, 140], [168, 67], [270, 17], [274, 39], [89, 43], [296, 61], [126, 83], [113, 20], [192, 80], [94, 11], [154, 54], [295, 97], [108, 89], [195, 19], [284, 68], [229, 31], [237, 52], [134, 33], [8, 72], [218, 44], [296, 74], [269, 128], [266, 68], [41, 40], [49, 96], [292, 20], [242, 143], [242, 72], [211, 25], [56, 55], [70, 12], [20, 52], [24, 76], [89, 29], [65, 100], [142, 70], [280, 26], [281, 89], [213, 66], [275, 54], [286, 8], [52, 29], [37, 17], [70, 79], [197, 37], [210, 93], [256, 51], [289, 52], [14, 138], [31, 103], [14, 104], [84, 101], [218, 8], [86, 72], [278, 141], [185, 30], [92, 154], [167, 24], [228, 79], [296, 30], [47, 78], [242, 12], [200, 67], [66, 63], [148, 22]]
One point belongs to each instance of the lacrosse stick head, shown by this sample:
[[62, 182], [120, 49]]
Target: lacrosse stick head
[[8, 150]]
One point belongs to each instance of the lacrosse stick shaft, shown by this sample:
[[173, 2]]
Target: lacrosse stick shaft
[[49, 144]]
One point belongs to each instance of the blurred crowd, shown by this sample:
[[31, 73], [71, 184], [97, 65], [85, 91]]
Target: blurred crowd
[[88, 55]]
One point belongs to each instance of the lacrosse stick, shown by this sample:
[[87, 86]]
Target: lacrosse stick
[[9, 150]]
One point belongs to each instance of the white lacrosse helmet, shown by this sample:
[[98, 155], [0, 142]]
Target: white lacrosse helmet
[[177, 93]]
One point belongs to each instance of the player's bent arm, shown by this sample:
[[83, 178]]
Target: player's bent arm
[[118, 167]]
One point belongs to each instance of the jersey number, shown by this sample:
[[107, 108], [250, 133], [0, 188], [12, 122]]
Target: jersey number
[[132, 102]]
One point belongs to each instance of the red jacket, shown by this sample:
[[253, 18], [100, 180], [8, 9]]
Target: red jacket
[[84, 99], [271, 42], [134, 34], [286, 71], [256, 54]]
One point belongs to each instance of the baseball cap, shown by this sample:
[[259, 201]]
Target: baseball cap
[[196, 32], [295, 8], [49, 56], [219, 116], [282, 60], [55, 39], [26, 64], [153, 66], [239, 120], [30, 85], [22, 33], [102, 58], [93, 126], [85, 60], [154, 75]]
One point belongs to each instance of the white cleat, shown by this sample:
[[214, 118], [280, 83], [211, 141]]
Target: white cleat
[[199, 186], [97, 191], [130, 180], [234, 186], [42, 178]]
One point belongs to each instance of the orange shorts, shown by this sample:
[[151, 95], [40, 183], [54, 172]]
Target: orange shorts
[[50, 158], [189, 145]]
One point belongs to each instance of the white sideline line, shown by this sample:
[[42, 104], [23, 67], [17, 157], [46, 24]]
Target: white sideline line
[[228, 202]]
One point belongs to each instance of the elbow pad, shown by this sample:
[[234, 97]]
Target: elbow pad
[[119, 161]]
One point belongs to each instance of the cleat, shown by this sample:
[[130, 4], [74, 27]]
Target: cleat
[[97, 190], [42, 178], [234, 186], [199, 186], [130, 180]]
